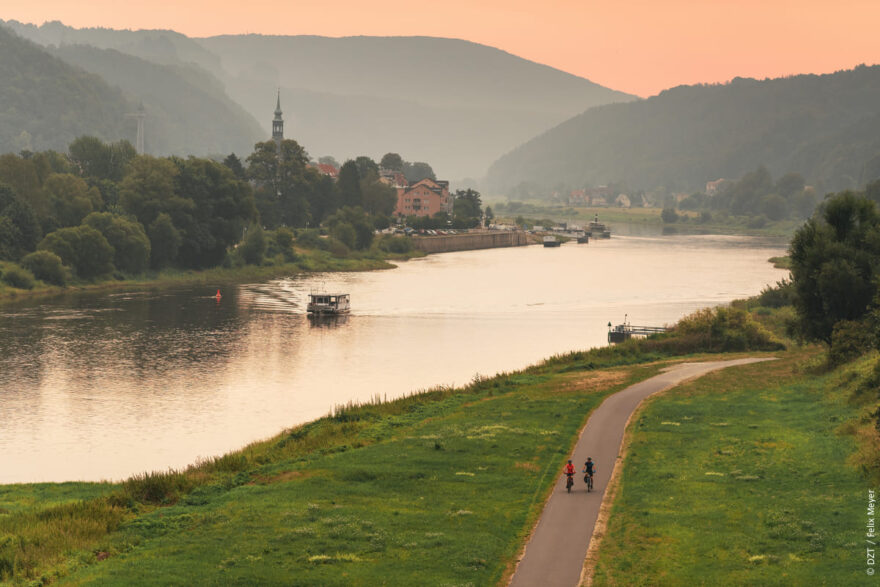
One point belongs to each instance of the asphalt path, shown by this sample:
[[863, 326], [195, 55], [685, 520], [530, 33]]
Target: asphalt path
[[555, 553]]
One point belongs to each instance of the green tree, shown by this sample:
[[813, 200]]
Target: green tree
[[392, 162], [71, 198], [22, 177], [93, 158], [47, 266], [774, 207], [468, 204], [220, 208], [668, 215], [234, 164], [128, 238], [83, 248], [835, 257], [254, 246], [417, 171], [358, 221], [378, 197], [789, 185], [283, 185], [366, 166], [148, 190], [164, 241], [22, 230], [349, 183]]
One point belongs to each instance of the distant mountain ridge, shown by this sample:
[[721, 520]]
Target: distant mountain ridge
[[45, 103], [453, 103], [187, 109], [825, 127]]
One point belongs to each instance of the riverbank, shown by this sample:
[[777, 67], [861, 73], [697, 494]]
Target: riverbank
[[688, 222], [443, 486], [307, 261]]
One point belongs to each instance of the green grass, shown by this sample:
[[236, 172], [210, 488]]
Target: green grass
[[434, 490], [742, 477]]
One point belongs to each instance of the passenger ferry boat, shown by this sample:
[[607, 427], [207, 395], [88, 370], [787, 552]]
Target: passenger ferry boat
[[598, 230], [327, 304]]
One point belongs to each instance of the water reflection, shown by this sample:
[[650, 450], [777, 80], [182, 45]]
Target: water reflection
[[103, 386], [327, 320]]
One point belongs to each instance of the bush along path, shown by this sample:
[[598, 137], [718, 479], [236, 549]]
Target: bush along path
[[555, 553]]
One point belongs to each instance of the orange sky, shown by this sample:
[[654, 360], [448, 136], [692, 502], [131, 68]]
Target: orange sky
[[638, 46]]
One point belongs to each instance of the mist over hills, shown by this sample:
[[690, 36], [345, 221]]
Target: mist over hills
[[188, 111], [825, 127], [452, 103], [45, 103]]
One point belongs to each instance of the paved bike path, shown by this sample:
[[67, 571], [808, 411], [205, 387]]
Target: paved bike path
[[555, 553]]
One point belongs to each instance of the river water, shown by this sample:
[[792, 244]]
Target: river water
[[103, 386]]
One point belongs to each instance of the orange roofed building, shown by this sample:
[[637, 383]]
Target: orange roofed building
[[424, 198]]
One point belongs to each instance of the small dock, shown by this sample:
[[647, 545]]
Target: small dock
[[625, 331]]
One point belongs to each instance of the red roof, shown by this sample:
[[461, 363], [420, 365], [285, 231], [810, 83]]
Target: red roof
[[328, 169]]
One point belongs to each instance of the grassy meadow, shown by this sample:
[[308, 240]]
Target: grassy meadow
[[754, 476]]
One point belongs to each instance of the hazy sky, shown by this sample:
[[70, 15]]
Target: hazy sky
[[638, 46]]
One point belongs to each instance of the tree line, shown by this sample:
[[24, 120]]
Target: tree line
[[101, 209]]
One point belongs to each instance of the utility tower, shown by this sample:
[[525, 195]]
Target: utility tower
[[139, 116]]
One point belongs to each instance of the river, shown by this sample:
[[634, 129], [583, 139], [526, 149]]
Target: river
[[98, 386]]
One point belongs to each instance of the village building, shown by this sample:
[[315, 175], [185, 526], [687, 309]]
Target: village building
[[713, 187], [395, 179], [328, 170], [423, 198]]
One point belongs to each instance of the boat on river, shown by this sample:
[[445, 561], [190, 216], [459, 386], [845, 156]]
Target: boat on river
[[598, 230], [327, 304], [551, 241]]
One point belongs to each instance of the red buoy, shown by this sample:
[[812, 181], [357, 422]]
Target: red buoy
[[218, 296]]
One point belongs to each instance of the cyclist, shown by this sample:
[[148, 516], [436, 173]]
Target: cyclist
[[569, 472], [589, 470]]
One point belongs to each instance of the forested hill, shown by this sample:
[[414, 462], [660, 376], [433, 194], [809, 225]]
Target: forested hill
[[825, 127], [454, 103], [187, 109], [46, 103]]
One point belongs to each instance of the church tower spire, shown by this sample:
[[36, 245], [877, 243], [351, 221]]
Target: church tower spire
[[278, 125]]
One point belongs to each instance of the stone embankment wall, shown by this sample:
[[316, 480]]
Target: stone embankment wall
[[472, 240]]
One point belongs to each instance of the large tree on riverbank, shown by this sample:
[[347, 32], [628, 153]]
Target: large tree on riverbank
[[836, 264]]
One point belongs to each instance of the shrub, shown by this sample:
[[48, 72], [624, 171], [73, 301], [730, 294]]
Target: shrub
[[782, 294], [47, 266], [337, 248], [310, 239], [668, 215], [254, 246], [850, 339], [83, 248], [396, 244], [724, 329], [18, 277]]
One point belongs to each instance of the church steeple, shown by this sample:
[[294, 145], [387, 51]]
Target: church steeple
[[278, 125]]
